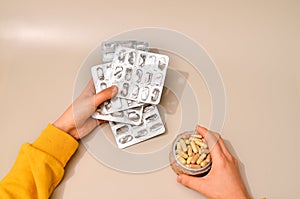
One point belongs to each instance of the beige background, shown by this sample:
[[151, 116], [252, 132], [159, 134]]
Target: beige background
[[254, 44]]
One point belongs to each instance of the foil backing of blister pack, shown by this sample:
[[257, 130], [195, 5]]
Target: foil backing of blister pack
[[151, 126], [130, 116], [102, 79], [109, 47], [139, 75]]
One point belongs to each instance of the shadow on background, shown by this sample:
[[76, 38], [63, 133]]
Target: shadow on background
[[241, 165]]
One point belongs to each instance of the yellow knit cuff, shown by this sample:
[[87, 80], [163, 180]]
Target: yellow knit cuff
[[56, 143]]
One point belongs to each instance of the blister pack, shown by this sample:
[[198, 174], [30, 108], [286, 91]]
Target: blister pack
[[129, 116], [151, 126], [109, 47], [139, 75], [101, 76]]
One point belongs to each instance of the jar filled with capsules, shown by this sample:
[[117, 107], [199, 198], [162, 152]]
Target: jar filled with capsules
[[190, 155]]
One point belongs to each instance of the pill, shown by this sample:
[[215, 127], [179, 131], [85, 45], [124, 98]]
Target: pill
[[178, 146], [197, 136], [195, 158], [203, 163], [189, 159], [182, 154], [187, 141], [198, 141], [193, 146], [183, 145], [182, 160], [204, 146], [190, 150], [201, 158]]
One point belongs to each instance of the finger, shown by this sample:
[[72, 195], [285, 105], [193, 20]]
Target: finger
[[191, 182], [104, 95], [212, 141]]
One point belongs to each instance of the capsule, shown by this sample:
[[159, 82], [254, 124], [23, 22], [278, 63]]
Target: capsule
[[189, 159], [190, 150], [201, 158], [203, 163], [195, 150], [195, 158], [183, 145], [182, 160], [182, 154]]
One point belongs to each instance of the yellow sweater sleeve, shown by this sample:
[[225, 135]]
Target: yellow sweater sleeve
[[39, 166]]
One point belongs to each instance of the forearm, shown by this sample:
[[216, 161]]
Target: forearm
[[39, 166]]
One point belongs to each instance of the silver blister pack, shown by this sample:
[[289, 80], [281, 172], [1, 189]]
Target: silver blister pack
[[130, 116], [109, 47], [101, 76], [139, 75], [151, 126]]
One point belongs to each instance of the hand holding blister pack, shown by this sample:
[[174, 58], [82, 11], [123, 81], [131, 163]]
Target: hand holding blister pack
[[140, 77]]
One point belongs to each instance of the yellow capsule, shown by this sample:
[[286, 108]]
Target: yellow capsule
[[201, 158], [198, 141], [178, 146], [203, 163], [182, 154], [193, 145], [183, 145], [181, 160], [197, 136], [187, 141], [188, 161], [190, 150]]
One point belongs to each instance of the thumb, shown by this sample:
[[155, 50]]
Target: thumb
[[105, 95], [191, 182]]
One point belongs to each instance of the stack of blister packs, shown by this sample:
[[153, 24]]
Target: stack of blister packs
[[139, 75]]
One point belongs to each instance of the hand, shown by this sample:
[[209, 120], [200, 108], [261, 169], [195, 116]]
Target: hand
[[224, 179], [76, 120]]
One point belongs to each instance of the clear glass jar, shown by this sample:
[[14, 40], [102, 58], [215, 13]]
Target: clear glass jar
[[195, 169]]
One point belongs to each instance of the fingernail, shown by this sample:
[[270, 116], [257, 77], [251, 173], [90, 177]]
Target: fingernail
[[114, 90]]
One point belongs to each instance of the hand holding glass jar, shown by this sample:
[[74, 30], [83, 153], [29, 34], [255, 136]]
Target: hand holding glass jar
[[224, 179]]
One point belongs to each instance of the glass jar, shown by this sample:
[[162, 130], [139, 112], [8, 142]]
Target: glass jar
[[183, 161]]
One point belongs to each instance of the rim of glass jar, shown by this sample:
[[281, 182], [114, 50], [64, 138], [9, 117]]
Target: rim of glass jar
[[179, 136]]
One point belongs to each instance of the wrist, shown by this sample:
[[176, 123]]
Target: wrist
[[67, 127]]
